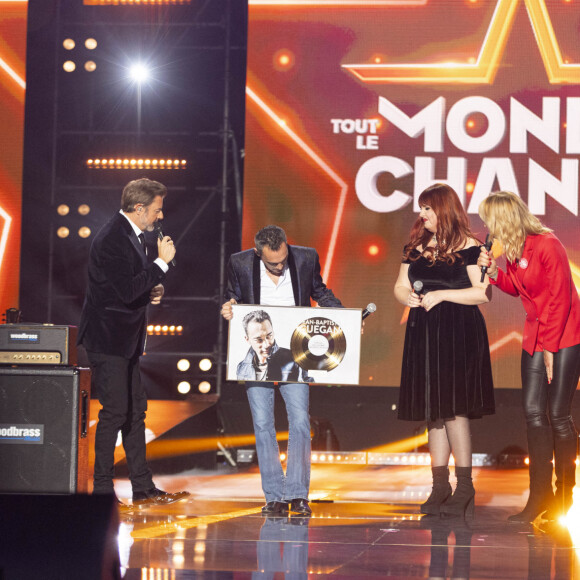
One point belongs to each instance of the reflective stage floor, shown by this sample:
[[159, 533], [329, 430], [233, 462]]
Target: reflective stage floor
[[365, 523]]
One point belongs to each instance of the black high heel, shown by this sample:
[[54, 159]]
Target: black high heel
[[440, 493], [462, 502]]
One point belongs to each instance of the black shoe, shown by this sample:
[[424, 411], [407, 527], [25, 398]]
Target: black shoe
[[300, 506], [156, 496], [440, 493], [534, 508], [462, 502], [275, 508]]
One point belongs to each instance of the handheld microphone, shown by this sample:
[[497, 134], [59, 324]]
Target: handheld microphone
[[369, 310], [417, 287], [487, 246], [161, 236]]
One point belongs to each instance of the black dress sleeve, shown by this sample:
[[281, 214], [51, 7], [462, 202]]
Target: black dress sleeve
[[472, 255]]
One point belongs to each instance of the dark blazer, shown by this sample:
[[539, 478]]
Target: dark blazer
[[543, 280], [281, 367], [114, 316], [304, 266]]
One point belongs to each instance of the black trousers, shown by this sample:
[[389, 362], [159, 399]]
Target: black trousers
[[549, 405], [117, 382]]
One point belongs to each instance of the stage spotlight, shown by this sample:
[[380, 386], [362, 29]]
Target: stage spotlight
[[184, 387], [84, 209], [84, 232], [164, 329], [204, 387], [205, 364], [283, 59], [69, 66], [90, 44], [135, 2], [62, 232], [139, 73], [90, 65], [183, 365], [135, 163], [68, 43], [62, 209]]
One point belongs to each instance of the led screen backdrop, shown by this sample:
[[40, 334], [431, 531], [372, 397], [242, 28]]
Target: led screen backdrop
[[12, 87], [355, 106]]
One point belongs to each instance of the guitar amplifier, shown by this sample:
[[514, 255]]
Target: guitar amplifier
[[38, 344]]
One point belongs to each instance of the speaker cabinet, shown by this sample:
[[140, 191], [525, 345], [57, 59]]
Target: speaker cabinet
[[59, 537], [43, 429]]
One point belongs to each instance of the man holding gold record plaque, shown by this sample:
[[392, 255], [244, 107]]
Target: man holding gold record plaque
[[277, 274]]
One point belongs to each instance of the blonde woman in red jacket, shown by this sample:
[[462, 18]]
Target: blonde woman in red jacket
[[539, 273]]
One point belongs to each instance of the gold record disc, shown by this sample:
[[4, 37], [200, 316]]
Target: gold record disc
[[318, 344]]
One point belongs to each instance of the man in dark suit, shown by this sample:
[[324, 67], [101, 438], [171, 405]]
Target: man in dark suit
[[113, 328], [277, 274]]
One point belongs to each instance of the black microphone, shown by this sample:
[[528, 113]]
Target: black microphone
[[161, 236], [417, 289], [369, 310], [487, 246]]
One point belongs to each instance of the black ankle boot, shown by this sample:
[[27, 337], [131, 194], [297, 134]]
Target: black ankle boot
[[462, 502], [541, 451], [440, 492]]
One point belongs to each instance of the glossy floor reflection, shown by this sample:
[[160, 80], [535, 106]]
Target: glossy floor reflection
[[220, 533]]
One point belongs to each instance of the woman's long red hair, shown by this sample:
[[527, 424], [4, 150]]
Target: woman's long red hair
[[453, 229]]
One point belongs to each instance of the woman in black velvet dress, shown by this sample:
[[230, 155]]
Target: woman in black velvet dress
[[446, 375]]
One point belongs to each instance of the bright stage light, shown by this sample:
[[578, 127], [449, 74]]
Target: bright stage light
[[204, 387], [164, 329], [205, 364], [183, 365], [184, 387], [139, 73], [136, 163]]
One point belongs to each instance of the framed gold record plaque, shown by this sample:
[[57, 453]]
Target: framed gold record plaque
[[294, 344]]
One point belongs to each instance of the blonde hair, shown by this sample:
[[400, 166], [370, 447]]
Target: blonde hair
[[510, 221]]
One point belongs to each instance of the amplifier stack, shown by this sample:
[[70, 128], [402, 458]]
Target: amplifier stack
[[44, 410]]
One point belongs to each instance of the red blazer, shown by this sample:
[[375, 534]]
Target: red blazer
[[543, 280]]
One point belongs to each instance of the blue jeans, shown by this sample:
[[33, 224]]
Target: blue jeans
[[296, 483]]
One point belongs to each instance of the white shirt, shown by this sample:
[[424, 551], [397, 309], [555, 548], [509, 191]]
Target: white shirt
[[272, 294], [138, 231]]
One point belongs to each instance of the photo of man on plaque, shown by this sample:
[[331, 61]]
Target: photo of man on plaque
[[266, 361]]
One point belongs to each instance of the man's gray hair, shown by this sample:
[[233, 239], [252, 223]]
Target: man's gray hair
[[271, 236], [141, 191]]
